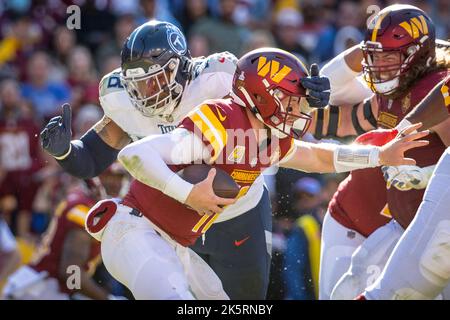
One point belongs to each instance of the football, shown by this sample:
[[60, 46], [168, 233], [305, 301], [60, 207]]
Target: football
[[223, 185]]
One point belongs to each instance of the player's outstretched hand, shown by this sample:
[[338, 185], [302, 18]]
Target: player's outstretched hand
[[203, 199], [56, 136], [393, 153], [317, 88]]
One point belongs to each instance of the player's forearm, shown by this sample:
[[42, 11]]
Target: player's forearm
[[353, 57], [432, 110], [147, 161], [343, 121], [88, 157], [329, 158], [310, 157], [344, 67], [343, 71]]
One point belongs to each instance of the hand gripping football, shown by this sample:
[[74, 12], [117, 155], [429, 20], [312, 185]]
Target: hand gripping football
[[223, 185]]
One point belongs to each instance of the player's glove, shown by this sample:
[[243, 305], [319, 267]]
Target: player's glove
[[378, 137], [317, 88], [405, 178], [56, 136]]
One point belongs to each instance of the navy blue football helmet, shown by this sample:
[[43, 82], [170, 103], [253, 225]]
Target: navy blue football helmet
[[156, 66]]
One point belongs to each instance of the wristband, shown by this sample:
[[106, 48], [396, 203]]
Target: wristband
[[178, 188], [348, 158], [65, 155]]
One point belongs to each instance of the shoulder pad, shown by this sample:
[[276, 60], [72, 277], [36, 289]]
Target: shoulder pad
[[110, 83], [211, 123], [221, 62]]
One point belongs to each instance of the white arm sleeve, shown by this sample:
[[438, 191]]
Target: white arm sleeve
[[346, 85], [147, 160]]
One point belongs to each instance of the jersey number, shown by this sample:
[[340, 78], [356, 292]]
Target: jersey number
[[114, 82]]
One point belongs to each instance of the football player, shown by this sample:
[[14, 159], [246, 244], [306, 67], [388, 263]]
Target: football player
[[144, 237], [157, 85], [427, 265], [67, 256], [400, 65]]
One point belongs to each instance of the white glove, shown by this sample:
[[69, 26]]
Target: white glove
[[405, 178]]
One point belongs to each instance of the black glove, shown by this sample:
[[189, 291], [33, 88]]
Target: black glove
[[317, 88], [56, 136]]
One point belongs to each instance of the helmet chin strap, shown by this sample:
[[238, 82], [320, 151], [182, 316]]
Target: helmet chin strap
[[278, 133], [236, 99]]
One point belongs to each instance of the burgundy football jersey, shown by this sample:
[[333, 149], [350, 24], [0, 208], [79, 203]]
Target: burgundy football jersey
[[225, 129], [362, 202]]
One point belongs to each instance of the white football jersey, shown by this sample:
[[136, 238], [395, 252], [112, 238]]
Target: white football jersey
[[213, 78]]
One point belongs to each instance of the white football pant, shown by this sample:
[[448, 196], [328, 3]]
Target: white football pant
[[419, 266], [367, 262], [152, 265], [337, 246]]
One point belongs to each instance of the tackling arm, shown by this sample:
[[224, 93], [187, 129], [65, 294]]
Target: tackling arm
[[346, 115], [345, 120], [92, 153], [343, 71], [147, 160], [95, 151]]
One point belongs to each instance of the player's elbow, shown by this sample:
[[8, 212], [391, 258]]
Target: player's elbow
[[129, 158]]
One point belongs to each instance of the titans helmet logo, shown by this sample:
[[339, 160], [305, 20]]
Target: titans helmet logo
[[176, 40]]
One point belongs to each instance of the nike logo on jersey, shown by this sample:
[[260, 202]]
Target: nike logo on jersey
[[240, 242], [221, 117]]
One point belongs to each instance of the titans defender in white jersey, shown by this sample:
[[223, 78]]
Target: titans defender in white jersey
[[157, 85]]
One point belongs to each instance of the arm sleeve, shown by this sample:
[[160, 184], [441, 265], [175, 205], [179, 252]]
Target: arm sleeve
[[346, 85], [147, 160], [89, 157]]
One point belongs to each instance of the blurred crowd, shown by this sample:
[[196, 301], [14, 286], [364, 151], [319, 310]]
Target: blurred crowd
[[43, 64]]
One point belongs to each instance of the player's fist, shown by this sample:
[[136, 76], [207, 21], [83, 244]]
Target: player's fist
[[203, 199], [378, 137], [56, 136], [317, 88]]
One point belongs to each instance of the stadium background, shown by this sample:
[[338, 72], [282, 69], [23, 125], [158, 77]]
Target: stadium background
[[44, 64]]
